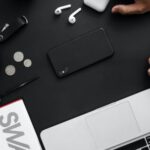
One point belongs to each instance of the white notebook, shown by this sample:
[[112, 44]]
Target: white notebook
[[16, 129]]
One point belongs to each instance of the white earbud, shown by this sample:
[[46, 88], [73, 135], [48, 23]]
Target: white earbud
[[72, 19], [58, 11]]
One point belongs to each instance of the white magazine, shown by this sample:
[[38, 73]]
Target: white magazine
[[16, 129]]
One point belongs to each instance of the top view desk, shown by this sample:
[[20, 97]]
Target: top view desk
[[51, 100]]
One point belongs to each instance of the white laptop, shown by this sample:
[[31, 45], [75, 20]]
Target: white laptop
[[123, 125]]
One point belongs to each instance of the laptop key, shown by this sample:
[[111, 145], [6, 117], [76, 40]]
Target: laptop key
[[145, 148], [148, 140], [134, 146]]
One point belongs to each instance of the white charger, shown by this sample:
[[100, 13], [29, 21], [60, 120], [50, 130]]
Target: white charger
[[98, 5]]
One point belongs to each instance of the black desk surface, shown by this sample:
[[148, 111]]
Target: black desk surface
[[51, 100]]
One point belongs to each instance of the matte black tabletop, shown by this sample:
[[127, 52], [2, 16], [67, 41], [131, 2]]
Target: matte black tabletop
[[51, 100]]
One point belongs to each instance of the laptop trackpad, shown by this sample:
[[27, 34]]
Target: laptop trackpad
[[113, 126]]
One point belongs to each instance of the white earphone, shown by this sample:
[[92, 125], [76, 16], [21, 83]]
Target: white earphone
[[72, 19], [58, 11]]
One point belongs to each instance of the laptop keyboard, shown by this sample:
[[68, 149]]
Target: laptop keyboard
[[140, 144]]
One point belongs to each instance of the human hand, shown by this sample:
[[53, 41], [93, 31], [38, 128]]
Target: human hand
[[139, 7]]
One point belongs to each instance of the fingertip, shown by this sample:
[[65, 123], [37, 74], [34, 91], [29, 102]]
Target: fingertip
[[149, 60], [115, 9], [119, 9], [148, 71]]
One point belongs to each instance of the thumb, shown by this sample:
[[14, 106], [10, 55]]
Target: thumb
[[135, 8]]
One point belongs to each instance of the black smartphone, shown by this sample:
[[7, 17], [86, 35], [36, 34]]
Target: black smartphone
[[81, 52]]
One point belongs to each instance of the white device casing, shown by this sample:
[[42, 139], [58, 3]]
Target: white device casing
[[98, 5]]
